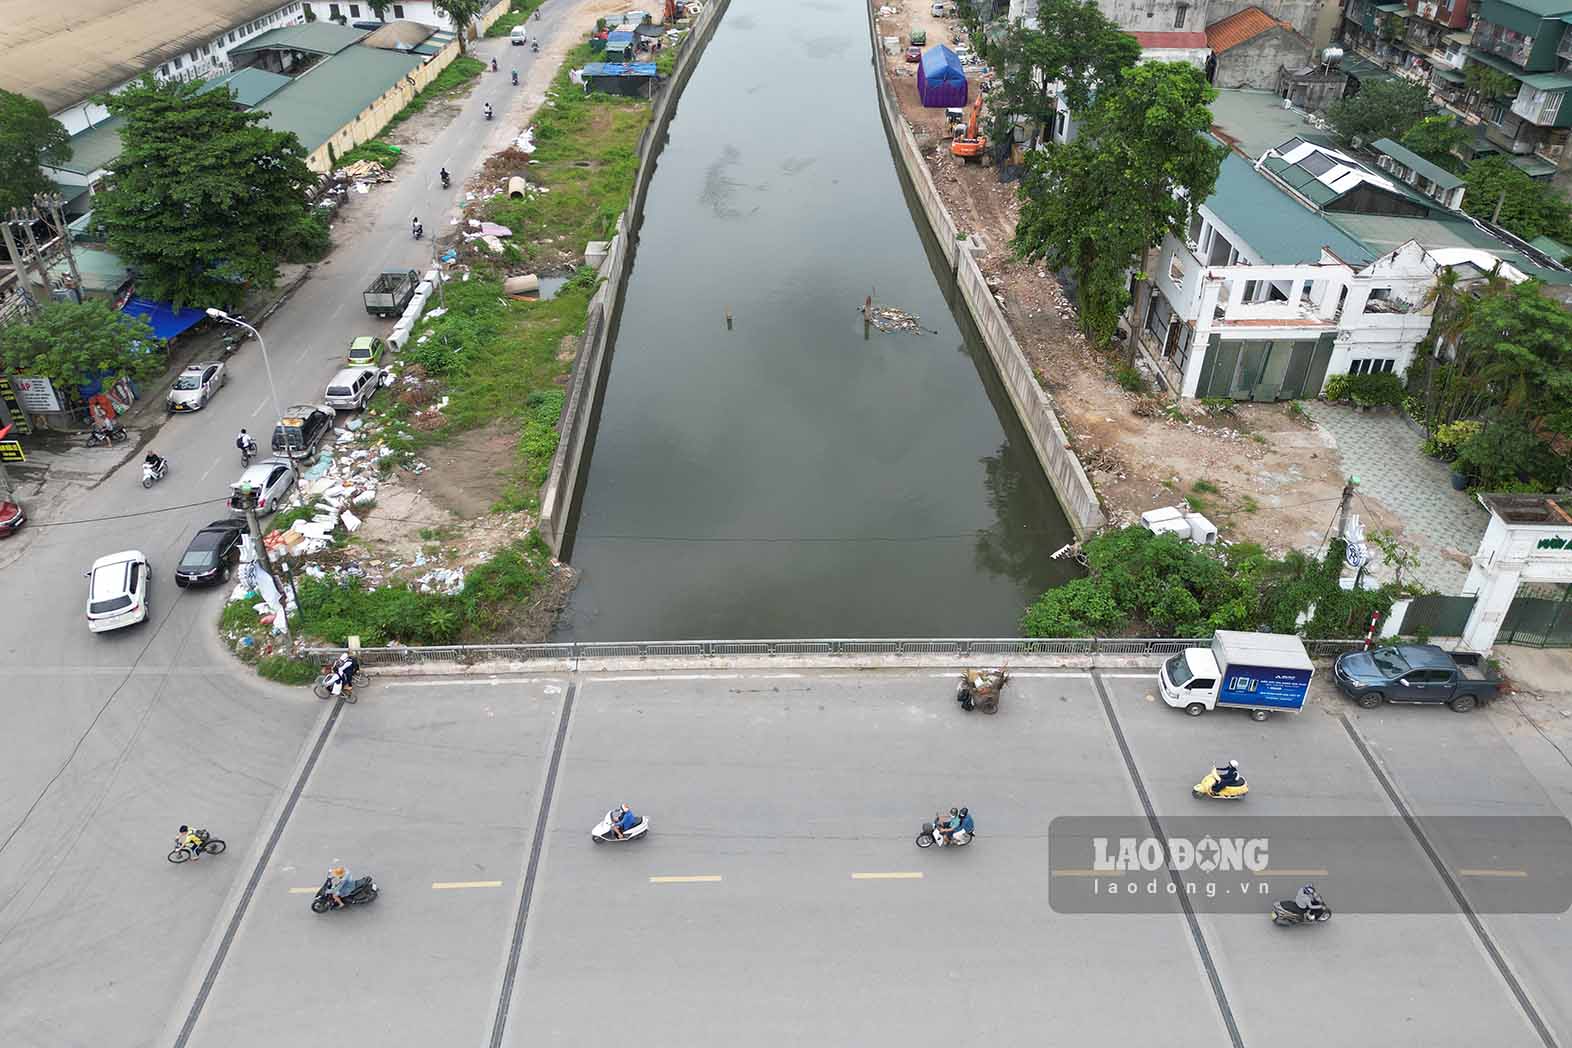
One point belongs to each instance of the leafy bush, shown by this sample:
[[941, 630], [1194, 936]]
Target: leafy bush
[[1377, 389], [284, 518], [1336, 388], [308, 240], [237, 617], [1506, 453], [382, 152], [1445, 441], [286, 670], [1129, 378]]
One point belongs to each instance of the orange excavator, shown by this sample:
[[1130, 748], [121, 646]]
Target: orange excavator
[[971, 144]]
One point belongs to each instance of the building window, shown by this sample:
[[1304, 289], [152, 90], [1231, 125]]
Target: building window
[[1158, 316], [163, 70], [354, 10], [333, 14], [178, 61], [1179, 12], [1371, 366], [398, 10], [1194, 236], [1220, 251], [1176, 271]]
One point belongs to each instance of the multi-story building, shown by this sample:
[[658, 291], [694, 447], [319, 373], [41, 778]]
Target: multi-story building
[[1305, 263]]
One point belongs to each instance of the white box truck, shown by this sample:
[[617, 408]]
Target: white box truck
[[1259, 672]]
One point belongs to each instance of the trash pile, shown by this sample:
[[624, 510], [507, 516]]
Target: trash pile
[[339, 482], [489, 233], [888, 318]]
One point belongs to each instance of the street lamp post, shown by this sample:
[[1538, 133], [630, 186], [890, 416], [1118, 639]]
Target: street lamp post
[[219, 314]]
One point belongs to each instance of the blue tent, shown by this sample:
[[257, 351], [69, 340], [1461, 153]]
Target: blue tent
[[941, 82], [163, 317]]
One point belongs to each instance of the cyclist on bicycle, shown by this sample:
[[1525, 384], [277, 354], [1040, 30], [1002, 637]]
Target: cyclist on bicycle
[[192, 840]]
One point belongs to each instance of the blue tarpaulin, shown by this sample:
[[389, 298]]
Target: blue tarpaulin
[[940, 79], [165, 320], [620, 69]]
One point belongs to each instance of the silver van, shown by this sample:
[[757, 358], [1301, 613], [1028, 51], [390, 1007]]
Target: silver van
[[352, 388]]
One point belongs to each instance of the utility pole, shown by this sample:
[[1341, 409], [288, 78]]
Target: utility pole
[[248, 496], [54, 204], [1345, 505]]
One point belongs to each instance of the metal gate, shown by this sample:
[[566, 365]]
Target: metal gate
[[1265, 369], [1539, 616], [1437, 616]]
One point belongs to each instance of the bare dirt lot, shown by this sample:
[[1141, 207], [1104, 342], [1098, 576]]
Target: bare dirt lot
[[1261, 474]]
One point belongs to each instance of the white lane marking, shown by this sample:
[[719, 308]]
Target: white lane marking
[[708, 878], [209, 472], [1492, 873], [490, 682], [1129, 676], [1082, 674], [438, 886], [262, 404]]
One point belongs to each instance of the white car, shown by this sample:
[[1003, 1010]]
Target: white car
[[117, 591], [195, 386]]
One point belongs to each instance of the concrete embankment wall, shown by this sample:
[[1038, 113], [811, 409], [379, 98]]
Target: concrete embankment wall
[[556, 499], [1032, 404]]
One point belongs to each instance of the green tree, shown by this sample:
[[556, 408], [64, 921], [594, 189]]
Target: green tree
[[1075, 45], [379, 8], [1435, 138], [1488, 84], [69, 343], [1135, 172], [203, 199], [462, 13], [1381, 109], [1528, 208], [29, 139]]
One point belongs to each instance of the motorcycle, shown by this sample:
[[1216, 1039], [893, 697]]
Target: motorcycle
[[447, 180], [362, 890], [493, 65], [1287, 912], [103, 437], [535, 44], [979, 689], [927, 838], [1205, 788], [602, 834], [152, 474], [488, 110], [417, 230], [515, 78], [210, 846], [247, 453], [325, 685]]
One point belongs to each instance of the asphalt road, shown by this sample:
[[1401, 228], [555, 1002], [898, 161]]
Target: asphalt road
[[111, 741]]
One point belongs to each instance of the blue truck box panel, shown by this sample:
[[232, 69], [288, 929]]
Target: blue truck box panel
[[1269, 687]]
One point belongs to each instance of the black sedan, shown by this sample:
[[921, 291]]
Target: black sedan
[[212, 554]]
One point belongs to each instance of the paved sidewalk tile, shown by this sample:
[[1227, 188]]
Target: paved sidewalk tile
[[1383, 451]]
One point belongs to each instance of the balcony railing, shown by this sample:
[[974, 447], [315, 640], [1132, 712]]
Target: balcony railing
[[1504, 43], [1538, 107], [1564, 49]]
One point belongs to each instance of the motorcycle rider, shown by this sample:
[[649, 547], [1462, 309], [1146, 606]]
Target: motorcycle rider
[[968, 826], [1308, 903], [415, 228], [493, 65], [446, 178], [153, 461], [344, 670], [488, 110], [944, 829], [189, 838], [515, 78], [1227, 775], [624, 821], [338, 883], [246, 443]]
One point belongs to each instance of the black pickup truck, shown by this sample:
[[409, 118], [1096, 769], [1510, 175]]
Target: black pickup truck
[[1416, 673]]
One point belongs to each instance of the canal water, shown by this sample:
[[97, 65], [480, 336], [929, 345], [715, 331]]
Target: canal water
[[791, 474]]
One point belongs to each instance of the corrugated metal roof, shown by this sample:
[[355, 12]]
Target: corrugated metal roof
[[1416, 163], [249, 86], [1274, 225], [322, 38], [1548, 81], [93, 149], [62, 56], [334, 91]]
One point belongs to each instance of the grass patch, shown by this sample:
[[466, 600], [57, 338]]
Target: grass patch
[[492, 592], [586, 148], [285, 517], [455, 75], [1248, 504], [1129, 378], [237, 617], [382, 152], [1204, 487], [519, 12], [285, 670]]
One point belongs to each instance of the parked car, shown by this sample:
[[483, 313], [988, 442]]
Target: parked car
[[517, 36], [271, 478], [195, 386], [914, 54], [12, 517], [366, 351], [352, 388], [302, 429], [117, 588], [211, 554], [1415, 673]]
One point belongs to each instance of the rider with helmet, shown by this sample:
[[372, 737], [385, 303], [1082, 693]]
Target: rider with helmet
[[967, 826], [193, 840], [1227, 775], [623, 821]]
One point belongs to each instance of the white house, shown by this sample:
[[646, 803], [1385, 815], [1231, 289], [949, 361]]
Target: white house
[[1302, 265]]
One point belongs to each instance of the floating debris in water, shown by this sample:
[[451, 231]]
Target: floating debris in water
[[888, 318]]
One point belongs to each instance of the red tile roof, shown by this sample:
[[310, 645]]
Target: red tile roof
[[1240, 27], [1170, 40]]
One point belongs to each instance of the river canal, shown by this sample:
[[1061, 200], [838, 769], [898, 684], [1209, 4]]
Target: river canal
[[793, 475]]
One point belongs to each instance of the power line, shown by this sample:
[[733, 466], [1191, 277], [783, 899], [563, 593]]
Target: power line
[[121, 516]]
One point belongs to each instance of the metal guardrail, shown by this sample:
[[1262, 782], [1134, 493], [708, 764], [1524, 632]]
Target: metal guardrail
[[705, 649]]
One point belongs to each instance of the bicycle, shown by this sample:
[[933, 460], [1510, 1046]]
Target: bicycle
[[324, 684], [209, 846]]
